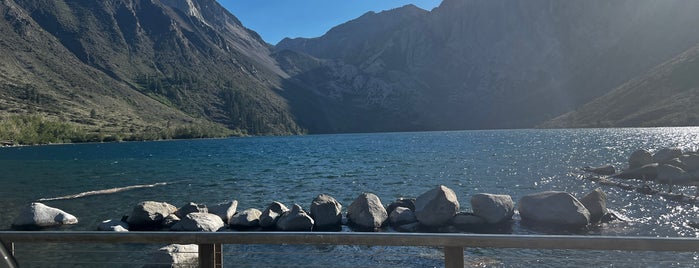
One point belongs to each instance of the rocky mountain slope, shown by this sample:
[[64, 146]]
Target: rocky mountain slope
[[129, 65], [472, 64]]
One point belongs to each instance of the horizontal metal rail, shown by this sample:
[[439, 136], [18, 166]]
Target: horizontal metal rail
[[453, 244]]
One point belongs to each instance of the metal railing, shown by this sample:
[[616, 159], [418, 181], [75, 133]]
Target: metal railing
[[210, 244]]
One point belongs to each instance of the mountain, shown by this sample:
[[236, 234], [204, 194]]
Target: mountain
[[664, 96], [129, 66], [475, 64]]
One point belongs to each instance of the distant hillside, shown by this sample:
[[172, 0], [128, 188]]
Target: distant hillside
[[472, 64], [132, 66], [665, 96]]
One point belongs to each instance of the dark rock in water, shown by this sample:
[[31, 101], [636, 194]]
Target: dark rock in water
[[601, 170], [367, 212], [248, 218], [410, 227], [175, 255], [38, 215], [269, 217], [401, 202], [647, 172], [326, 212], [596, 204], [170, 221], [199, 222], [402, 216], [150, 215], [666, 154], [690, 162], [225, 210], [295, 220], [463, 219], [436, 207], [114, 225], [494, 209], [554, 209], [191, 208], [639, 158]]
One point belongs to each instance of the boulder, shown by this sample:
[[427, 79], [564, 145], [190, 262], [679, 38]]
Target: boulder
[[326, 212], [410, 227], [493, 208], [596, 204], [295, 220], [150, 214], [170, 221], [672, 175], [639, 158], [691, 162], [190, 208], [225, 210], [247, 218], [367, 212], [554, 209], [463, 219], [647, 173], [38, 215], [114, 225], [199, 222], [402, 216], [601, 170], [176, 255], [436, 207], [665, 154], [401, 202], [269, 217]]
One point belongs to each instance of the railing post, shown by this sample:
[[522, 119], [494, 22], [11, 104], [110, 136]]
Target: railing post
[[210, 256], [7, 252], [453, 257]]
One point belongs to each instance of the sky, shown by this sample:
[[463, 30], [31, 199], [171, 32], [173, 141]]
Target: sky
[[276, 19]]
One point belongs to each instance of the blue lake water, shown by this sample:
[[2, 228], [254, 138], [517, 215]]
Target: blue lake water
[[258, 170]]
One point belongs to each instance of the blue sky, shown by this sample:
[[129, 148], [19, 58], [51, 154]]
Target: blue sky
[[276, 19]]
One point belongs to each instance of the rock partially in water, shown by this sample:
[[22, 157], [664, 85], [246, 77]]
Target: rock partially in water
[[114, 225], [225, 210], [191, 207], [467, 220], [326, 212], [402, 216], [665, 154], [269, 217], [647, 172], [248, 218], [150, 214], [295, 220], [639, 158], [555, 209], [401, 202], [436, 207], [37, 215], [199, 222], [170, 221], [601, 170], [596, 204], [367, 212], [175, 255], [493, 208]]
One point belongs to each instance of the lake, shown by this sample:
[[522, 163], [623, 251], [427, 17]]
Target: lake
[[295, 169]]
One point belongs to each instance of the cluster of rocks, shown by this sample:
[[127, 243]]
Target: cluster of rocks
[[435, 210], [667, 166]]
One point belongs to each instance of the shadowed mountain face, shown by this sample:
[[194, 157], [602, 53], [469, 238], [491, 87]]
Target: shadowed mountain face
[[145, 58], [472, 64]]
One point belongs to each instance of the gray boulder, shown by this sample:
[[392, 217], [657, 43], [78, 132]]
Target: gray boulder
[[402, 216], [269, 217], [554, 208], [150, 214], [665, 154], [647, 172], [596, 204], [401, 202], [463, 219], [494, 209], [191, 208], [326, 212], [114, 225], [170, 221], [672, 175], [639, 158], [367, 212], [247, 218], [225, 210], [38, 215], [175, 255], [436, 207], [690, 161], [295, 220], [199, 222]]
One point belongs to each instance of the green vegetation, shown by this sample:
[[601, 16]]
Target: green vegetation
[[38, 129]]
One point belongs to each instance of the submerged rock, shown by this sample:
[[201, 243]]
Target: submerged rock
[[555, 209], [38, 215], [269, 217], [326, 212], [493, 208], [436, 207], [367, 212]]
